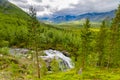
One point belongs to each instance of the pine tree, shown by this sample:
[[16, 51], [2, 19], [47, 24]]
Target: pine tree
[[85, 45], [114, 50], [101, 43], [33, 34]]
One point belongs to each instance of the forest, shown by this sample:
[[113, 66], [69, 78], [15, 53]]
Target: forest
[[94, 49]]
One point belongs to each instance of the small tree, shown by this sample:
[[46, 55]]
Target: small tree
[[34, 35]]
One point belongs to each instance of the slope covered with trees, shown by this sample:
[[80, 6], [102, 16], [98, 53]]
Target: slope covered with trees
[[12, 22]]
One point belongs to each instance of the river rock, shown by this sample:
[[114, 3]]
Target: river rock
[[66, 53]]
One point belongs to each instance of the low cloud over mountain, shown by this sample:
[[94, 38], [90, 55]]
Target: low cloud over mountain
[[67, 7]]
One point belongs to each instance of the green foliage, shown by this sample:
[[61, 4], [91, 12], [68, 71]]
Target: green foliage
[[90, 74], [93, 60], [14, 69], [4, 51], [13, 24], [114, 50], [101, 44], [85, 44], [54, 65], [43, 67], [4, 43]]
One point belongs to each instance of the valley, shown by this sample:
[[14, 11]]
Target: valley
[[74, 50]]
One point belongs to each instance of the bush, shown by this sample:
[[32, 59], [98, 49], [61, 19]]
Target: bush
[[54, 65], [4, 43], [4, 50]]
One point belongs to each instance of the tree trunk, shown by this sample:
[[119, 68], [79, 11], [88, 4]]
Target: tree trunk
[[38, 68]]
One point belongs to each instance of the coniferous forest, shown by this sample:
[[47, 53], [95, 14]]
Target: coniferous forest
[[94, 49]]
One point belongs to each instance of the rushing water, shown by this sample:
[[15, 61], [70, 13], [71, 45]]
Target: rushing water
[[64, 61]]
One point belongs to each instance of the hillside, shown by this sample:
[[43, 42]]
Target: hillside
[[13, 21], [10, 14]]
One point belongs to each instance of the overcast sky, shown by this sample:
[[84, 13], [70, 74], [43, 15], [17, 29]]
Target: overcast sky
[[64, 7]]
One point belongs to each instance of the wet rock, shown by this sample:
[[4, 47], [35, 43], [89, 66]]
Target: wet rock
[[66, 53]]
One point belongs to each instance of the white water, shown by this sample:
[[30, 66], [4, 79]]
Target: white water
[[57, 54]]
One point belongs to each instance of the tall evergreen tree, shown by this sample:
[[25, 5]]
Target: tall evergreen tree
[[101, 43], [114, 50], [85, 42]]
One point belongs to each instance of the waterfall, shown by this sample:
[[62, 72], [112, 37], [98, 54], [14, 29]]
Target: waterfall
[[59, 55]]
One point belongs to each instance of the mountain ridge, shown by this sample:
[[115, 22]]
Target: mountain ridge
[[94, 16]]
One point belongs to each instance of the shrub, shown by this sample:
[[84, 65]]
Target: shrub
[[4, 43], [4, 50]]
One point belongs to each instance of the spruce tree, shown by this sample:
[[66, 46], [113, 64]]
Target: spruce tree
[[114, 50], [101, 43], [85, 42]]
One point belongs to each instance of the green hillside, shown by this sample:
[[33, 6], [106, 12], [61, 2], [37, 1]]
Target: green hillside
[[12, 21], [10, 14]]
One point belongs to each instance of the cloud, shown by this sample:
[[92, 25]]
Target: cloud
[[64, 7], [19, 1], [85, 6]]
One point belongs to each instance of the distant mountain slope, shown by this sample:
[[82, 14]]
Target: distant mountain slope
[[97, 16], [92, 16]]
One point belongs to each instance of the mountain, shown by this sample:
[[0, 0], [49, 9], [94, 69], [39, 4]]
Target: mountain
[[11, 14], [97, 16], [92, 16]]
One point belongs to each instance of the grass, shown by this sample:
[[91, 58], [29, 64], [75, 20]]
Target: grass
[[90, 74]]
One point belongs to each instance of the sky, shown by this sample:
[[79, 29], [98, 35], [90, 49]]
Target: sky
[[66, 7]]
